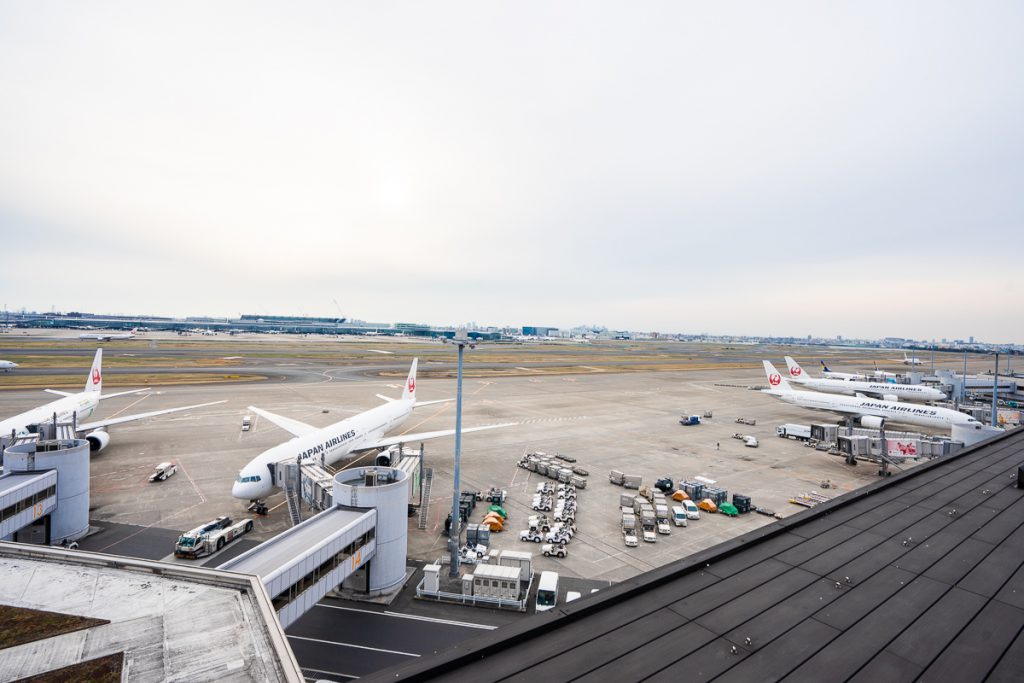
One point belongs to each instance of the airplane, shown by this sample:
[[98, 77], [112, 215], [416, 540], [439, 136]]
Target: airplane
[[7, 365], [832, 374], [852, 387], [78, 407], [911, 360], [339, 441], [861, 377], [109, 336], [871, 413]]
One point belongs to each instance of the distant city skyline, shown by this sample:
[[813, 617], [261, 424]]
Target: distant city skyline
[[836, 169], [199, 318]]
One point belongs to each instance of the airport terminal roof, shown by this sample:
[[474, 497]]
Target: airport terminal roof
[[162, 622], [918, 575]]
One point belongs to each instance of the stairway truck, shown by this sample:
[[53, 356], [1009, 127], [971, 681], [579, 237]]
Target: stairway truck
[[210, 537], [794, 431]]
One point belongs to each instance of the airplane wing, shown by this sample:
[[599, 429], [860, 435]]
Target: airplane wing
[[420, 404], [424, 436], [104, 397], [386, 398], [59, 393], [286, 423], [89, 426]]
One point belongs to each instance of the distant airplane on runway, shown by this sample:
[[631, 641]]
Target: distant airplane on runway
[[109, 336], [911, 360], [80, 406], [340, 441], [7, 365]]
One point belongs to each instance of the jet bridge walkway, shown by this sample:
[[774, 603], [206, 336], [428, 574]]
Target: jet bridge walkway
[[300, 566], [24, 498]]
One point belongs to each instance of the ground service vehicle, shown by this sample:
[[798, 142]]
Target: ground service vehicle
[[549, 549], [210, 537], [678, 515], [689, 420], [547, 591], [692, 511], [247, 423], [793, 431], [163, 471]]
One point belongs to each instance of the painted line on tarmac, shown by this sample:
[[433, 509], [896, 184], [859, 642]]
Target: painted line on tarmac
[[359, 647], [416, 617]]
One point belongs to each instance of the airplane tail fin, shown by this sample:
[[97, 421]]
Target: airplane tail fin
[[409, 392], [796, 373], [775, 378], [824, 368], [95, 380]]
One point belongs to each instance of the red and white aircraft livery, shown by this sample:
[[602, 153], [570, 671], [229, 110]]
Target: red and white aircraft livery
[[869, 412], [78, 407], [886, 391], [343, 440]]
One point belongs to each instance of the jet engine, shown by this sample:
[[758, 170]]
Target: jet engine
[[872, 421], [890, 397], [388, 458], [98, 440]]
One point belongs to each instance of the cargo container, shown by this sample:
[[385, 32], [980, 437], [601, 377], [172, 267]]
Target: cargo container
[[632, 481]]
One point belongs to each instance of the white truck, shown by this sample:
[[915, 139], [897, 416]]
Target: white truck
[[547, 591], [678, 516], [629, 529], [210, 537], [793, 431], [662, 516], [247, 423], [163, 471]]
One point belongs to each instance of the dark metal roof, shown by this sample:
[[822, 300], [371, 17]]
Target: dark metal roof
[[921, 574]]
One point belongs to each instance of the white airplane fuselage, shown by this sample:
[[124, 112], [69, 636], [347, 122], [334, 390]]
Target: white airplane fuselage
[[891, 411], [82, 405], [911, 392], [324, 446]]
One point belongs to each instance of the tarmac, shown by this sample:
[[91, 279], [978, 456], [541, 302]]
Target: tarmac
[[607, 420]]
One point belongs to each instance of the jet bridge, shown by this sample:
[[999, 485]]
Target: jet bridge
[[300, 566], [366, 526]]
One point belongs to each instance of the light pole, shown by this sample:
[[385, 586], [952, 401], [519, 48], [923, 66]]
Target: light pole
[[462, 340], [995, 394]]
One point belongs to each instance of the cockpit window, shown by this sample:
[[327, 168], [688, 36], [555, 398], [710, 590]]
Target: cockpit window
[[245, 480]]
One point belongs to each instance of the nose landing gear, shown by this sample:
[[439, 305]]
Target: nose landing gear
[[258, 506]]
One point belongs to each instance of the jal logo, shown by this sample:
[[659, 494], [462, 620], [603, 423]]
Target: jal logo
[[774, 379], [96, 376], [412, 384], [795, 371]]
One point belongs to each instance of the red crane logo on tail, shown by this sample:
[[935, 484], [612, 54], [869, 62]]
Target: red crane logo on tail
[[96, 376], [795, 371], [774, 379], [412, 384]]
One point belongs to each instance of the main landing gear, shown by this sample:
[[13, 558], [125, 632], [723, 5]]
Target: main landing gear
[[258, 506]]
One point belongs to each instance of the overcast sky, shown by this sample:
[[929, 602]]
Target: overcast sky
[[749, 168]]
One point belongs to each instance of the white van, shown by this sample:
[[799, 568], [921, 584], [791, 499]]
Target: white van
[[547, 591], [678, 516], [692, 511]]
